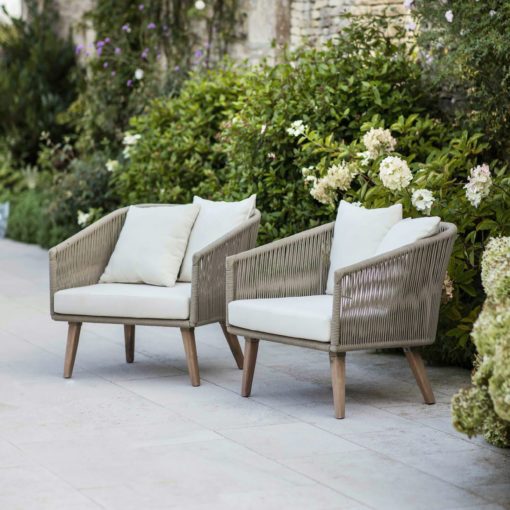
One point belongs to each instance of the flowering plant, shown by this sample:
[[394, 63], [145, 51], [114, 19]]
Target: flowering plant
[[412, 164], [484, 408]]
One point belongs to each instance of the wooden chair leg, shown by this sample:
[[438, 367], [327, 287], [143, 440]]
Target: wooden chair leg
[[129, 339], [337, 362], [234, 345], [420, 374], [190, 347], [73, 337], [251, 348]]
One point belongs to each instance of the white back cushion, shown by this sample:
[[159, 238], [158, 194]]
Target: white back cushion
[[151, 245], [408, 231], [357, 235], [214, 221]]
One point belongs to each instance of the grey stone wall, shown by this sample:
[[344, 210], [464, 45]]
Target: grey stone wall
[[268, 24]]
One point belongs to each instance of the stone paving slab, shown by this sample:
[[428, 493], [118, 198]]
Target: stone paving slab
[[120, 436]]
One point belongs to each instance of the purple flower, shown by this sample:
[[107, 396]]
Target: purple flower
[[79, 49], [118, 51], [126, 28], [129, 83], [99, 51], [100, 44], [145, 53], [105, 65], [141, 7], [177, 68], [151, 26], [107, 40], [113, 73], [198, 54]]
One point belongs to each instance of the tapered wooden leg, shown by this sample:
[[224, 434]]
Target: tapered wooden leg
[[337, 362], [233, 343], [418, 368], [129, 339], [188, 338], [251, 348], [73, 337]]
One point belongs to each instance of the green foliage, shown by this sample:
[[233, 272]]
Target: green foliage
[[470, 58], [26, 217], [484, 408], [174, 153], [37, 80], [335, 89]]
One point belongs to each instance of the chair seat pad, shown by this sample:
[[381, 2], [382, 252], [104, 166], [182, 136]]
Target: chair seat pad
[[307, 317], [126, 300]]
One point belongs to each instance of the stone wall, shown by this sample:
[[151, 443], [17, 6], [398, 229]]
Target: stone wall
[[268, 24]]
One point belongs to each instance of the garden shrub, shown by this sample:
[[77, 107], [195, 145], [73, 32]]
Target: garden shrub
[[466, 50], [484, 408], [38, 80], [172, 152]]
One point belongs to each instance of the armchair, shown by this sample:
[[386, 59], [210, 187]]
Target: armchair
[[76, 297], [276, 292]]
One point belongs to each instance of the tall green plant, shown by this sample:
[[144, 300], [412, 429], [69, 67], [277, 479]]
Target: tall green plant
[[38, 78]]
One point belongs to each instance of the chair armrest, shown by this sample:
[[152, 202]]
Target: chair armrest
[[295, 266], [81, 259], [208, 272], [392, 300]]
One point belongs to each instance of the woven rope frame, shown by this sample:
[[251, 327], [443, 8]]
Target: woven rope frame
[[391, 300], [81, 260]]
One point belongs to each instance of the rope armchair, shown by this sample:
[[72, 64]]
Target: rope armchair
[[391, 300], [80, 261]]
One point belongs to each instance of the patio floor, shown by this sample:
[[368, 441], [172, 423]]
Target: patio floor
[[138, 436]]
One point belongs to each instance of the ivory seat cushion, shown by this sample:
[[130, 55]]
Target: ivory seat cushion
[[214, 220], [408, 231], [357, 235], [126, 300], [307, 317], [151, 245]]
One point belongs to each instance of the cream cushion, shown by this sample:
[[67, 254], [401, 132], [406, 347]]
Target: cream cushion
[[126, 300], [408, 231], [357, 235], [151, 245], [214, 221], [307, 317]]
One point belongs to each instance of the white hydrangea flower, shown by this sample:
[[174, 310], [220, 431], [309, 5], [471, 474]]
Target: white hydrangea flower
[[297, 128], [423, 199], [408, 4], [112, 165], [379, 141], [139, 74], [321, 191], [338, 177], [395, 173], [199, 5], [479, 184], [448, 16], [83, 218], [129, 141]]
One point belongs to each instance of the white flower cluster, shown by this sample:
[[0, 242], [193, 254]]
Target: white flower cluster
[[378, 141], [83, 218], [395, 173], [112, 165], [496, 268], [423, 200], [479, 184], [297, 128], [129, 141], [338, 177]]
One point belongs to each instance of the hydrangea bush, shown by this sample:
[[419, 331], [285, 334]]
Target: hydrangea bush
[[484, 408]]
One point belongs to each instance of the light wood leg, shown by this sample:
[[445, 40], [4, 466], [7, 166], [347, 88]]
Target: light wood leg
[[129, 339], [251, 348], [73, 337], [188, 339], [420, 374], [337, 362], [234, 345]]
